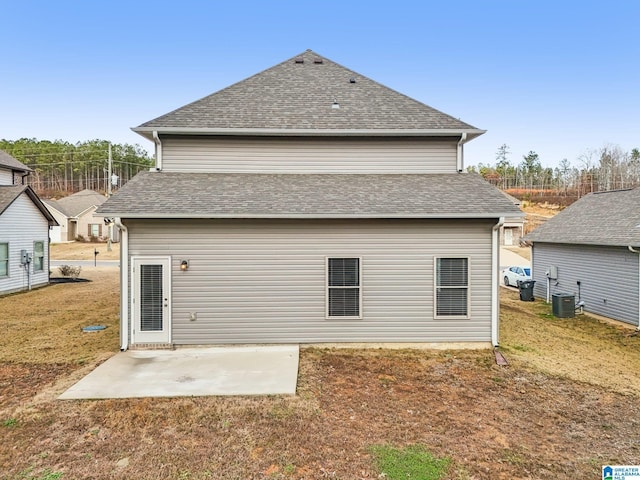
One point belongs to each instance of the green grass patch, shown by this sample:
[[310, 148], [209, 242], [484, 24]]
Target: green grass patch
[[411, 462], [44, 475], [522, 348], [10, 422]]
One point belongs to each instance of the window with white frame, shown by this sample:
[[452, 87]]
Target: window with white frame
[[344, 299], [38, 256], [4, 259], [452, 287], [95, 230]]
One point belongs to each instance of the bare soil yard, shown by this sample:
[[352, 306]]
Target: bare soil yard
[[567, 403], [537, 214]]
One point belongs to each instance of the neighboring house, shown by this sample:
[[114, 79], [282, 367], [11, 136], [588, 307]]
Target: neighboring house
[[24, 230], [592, 250], [513, 229], [308, 204], [75, 214]]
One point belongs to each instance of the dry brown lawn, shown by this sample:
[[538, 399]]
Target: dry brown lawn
[[542, 209], [537, 214], [567, 403], [84, 251]]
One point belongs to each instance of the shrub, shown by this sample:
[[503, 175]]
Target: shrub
[[69, 271]]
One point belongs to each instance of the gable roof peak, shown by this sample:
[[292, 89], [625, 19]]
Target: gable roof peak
[[308, 94]]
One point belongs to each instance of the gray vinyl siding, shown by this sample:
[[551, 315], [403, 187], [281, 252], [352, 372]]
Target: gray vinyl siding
[[324, 155], [6, 177], [21, 224], [608, 277], [264, 281]]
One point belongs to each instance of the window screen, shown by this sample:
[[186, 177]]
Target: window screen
[[343, 283], [452, 287]]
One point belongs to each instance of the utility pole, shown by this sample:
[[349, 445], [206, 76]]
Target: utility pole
[[110, 225]]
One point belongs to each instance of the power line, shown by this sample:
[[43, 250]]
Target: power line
[[71, 162]]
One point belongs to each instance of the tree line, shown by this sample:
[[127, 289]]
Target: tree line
[[61, 168], [602, 169]]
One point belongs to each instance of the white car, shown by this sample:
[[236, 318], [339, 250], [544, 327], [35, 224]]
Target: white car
[[513, 276]]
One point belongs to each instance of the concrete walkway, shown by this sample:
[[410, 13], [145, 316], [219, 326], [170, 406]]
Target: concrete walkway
[[233, 370], [509, 258]]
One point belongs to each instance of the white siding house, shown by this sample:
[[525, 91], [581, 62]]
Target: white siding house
[[308, 204], [24, 231]]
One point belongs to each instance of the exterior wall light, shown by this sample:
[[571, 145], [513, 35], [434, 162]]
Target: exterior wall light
[[184, 266]]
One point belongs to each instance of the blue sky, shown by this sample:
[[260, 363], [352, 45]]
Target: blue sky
[[557, 77]]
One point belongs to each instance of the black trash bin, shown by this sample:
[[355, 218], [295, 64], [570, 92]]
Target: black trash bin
[[526, 290]]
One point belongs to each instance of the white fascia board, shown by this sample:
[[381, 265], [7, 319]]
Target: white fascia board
[[283, 216], [83, 212], [147, 132]]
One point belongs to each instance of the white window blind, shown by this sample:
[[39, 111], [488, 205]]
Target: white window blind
[[452, 287], [151, 298], [343, 283]]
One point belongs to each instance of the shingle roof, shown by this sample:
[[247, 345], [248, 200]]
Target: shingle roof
[[217, 195], [298, 95], [604, 218], [75, 204], [9, 193], [7, 160]]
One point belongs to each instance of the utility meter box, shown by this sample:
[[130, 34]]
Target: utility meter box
[[24, 257], [552, 273]]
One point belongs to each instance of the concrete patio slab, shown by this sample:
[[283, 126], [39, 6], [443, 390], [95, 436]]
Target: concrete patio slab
[[233, 370]]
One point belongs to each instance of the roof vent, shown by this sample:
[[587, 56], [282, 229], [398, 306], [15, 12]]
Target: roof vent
[[352, 80], [335, 104], [318, 60], [299, 60]]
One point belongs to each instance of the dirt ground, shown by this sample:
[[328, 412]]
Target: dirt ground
[[537, 214], [566, 404], [543, 209]]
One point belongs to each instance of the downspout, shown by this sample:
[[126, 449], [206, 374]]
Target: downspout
[[124, 284], [156, 139], [460, 153], [631, 249], [495, 267]]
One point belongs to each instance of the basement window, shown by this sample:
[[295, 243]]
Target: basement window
[[452, 287], [344, 299]]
